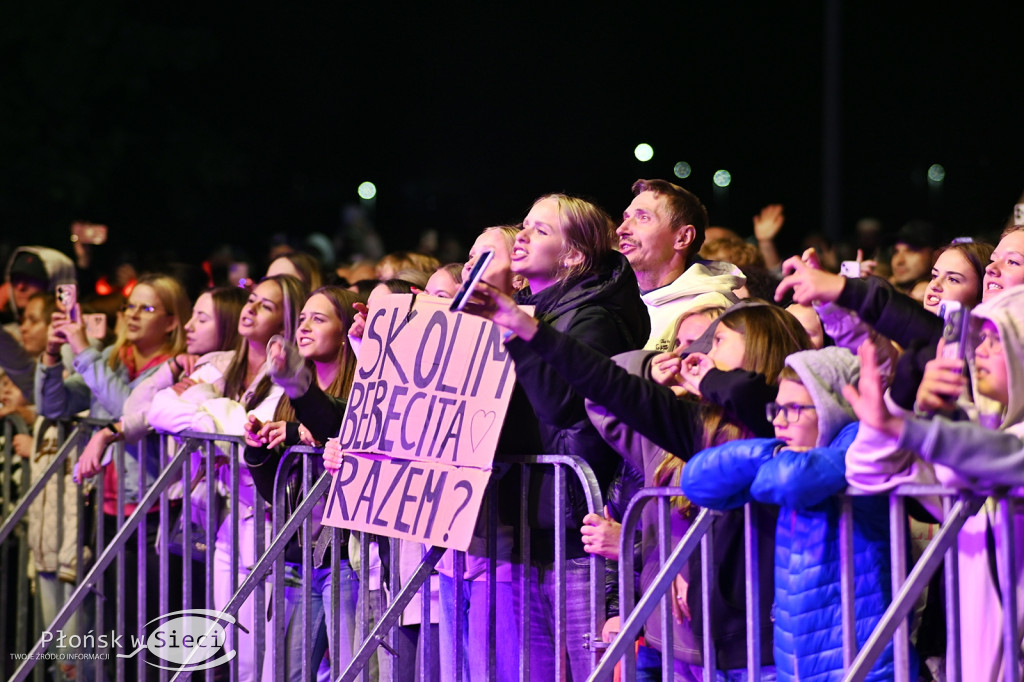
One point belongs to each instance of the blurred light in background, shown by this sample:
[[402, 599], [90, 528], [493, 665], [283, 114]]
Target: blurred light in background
[[367, 190], [644, 152], [682, 170], [936, 174], [723, 178]]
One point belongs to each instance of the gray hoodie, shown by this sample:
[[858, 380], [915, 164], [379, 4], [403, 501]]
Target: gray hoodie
[[18, 364], [992, 456]]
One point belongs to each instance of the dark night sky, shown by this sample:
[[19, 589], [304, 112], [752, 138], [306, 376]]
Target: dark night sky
[[206, 124]]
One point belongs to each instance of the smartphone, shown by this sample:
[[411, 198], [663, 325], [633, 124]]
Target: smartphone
[[95, 325], [67, 298], [88, 233], [850, 269], [955, 319], [469, 284]]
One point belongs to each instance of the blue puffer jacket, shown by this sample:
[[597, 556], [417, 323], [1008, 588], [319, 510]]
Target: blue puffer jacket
[[807, 613]]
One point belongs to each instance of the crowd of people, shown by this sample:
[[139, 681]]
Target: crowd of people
[[660, 350]]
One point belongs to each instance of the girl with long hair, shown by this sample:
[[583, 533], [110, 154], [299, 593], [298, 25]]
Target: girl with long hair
[[316, 374]]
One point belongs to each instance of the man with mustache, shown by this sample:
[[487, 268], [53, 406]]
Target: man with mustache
[[661, 232]]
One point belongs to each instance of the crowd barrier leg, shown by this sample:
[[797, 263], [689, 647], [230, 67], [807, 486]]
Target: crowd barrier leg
[[1008, 588], [631, 625], [903, 601], [952, 594], [105, 558]]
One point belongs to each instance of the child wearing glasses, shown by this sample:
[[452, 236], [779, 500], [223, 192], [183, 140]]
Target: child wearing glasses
[[801, 470]]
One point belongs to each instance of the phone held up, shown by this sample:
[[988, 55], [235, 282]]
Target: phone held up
[[850, 269], [955, 318], [67, 298], [88, 233], [95, 325], [469, 284]]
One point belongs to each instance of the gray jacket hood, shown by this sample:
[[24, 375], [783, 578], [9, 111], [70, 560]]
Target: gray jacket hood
[[1007, 313], [823, 373], [60, 268]]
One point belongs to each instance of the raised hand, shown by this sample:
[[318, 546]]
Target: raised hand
[[809, 284], [868, 397]]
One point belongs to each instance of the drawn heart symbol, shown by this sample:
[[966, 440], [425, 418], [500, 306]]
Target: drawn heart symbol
[[486, 421]]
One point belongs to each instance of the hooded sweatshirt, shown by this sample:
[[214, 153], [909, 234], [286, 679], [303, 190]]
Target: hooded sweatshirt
[[18, 364], [961, 454], [807, 612], [704, 284], [600, 309]]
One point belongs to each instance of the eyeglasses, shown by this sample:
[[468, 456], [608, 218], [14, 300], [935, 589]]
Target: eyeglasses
[[130, 308], [791, 412]]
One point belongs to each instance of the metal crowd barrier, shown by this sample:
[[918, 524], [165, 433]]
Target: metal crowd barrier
[[174, 465], [958, 507], [376, 630]]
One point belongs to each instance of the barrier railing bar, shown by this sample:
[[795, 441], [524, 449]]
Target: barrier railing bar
[[707, 553], [104, 559], [1007, 587], [390, 617], [753, 592], [846, 583], [667, 616], [898, 561], [903, 601], [952, 576], [632, 623]]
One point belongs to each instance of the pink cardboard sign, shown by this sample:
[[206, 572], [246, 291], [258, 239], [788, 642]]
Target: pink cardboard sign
[[430, 385], [427, 405], [413, 500]]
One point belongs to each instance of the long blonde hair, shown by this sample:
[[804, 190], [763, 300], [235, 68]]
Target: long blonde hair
[[175, 302]]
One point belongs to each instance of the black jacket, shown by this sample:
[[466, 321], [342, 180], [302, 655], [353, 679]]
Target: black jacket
[[322, 415], [902, 319], [602, 311], [675, 425]]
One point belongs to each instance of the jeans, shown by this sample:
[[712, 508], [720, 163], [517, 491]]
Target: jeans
[[53, 593], [321, 611], [475, 626], [246, 659], [541, 639]]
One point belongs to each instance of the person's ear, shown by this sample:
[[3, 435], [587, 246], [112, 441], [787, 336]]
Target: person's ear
[[572, 259], [685, 237]]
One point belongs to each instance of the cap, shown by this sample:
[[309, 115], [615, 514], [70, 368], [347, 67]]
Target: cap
[[28, 265]]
